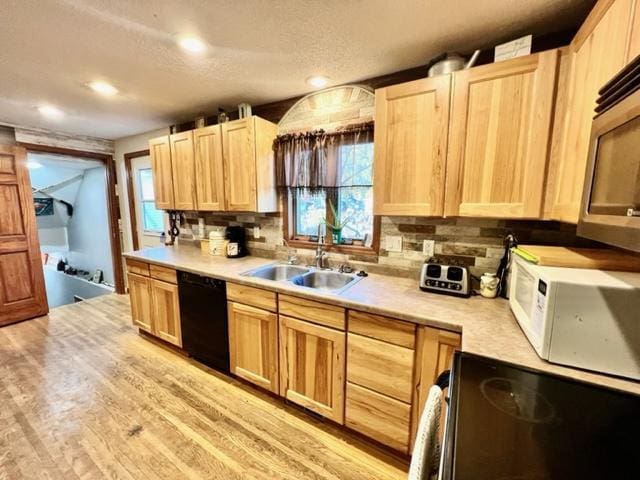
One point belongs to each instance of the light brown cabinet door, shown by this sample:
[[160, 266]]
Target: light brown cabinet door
[[412, 121], [22, 292], [499, 137], [184, 170], [166, 312], [160, 153], [209, 168], [140, 296], [253, 345], [312, 365], [596, 56], [238, 149], [434, 355]]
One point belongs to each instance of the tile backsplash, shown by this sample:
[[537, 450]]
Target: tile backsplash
[[475, 242]]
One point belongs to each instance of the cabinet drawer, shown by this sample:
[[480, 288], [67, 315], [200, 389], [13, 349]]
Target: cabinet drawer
[[256, 297], [382, 418], [316, 312], [383, 328], [380, 366], [139, 268], [163, 273]]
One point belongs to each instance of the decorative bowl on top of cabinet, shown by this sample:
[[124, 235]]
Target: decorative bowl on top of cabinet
[[227, 167]]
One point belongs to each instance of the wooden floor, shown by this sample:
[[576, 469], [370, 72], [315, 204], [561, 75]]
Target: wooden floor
[[82, 395]]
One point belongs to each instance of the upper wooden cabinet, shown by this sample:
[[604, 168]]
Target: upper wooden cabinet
[[249, 168], [184, 171], [228, 167], [160, 153], [412, 122], [606, 42], [209, 168], [499, 137]]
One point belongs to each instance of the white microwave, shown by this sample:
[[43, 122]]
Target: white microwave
[[582, 318]]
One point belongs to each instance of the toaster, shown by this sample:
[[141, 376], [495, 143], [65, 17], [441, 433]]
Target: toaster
[[437, 277]]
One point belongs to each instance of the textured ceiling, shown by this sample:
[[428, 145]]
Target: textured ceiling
[[259, 51]]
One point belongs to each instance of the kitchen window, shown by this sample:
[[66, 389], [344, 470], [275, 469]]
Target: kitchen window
[[152, 219], [329, 180]]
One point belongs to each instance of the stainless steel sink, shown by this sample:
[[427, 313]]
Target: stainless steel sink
[[333, 282], [277, 272]]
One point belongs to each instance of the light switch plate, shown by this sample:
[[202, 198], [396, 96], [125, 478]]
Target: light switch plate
[[393, 243], [256, 232], [428, 248]]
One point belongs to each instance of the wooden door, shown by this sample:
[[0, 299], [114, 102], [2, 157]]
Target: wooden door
[[22, 292], [499, 137], [312, 367], [140, 297], [253, 345], [238, 150], [598, 52], [184, 171], [412, 121], [209, 168], [434, 355], [160, 153], [166, 312]]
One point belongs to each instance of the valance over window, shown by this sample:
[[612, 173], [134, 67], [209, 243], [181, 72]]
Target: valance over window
[[319, 160]]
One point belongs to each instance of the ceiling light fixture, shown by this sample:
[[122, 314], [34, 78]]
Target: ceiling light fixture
[[33, 165], [192, 45], [318, 81], [50, 111], [103, 88]]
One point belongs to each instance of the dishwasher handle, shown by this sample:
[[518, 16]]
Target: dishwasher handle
[[206, 282]]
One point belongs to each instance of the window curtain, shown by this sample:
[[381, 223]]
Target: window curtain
[[319, 160]]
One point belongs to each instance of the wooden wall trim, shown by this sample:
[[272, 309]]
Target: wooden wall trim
[[112, 201], [599, 10], [130, 194]]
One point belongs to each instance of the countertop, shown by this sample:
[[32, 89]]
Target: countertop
[[487, 325]]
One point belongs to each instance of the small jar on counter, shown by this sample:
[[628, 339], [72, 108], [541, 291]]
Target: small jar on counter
[[489, 285]]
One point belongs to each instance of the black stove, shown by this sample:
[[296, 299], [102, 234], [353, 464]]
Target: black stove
[[508, 422]]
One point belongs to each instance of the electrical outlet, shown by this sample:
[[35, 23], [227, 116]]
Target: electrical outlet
[[428, 248], [393, 243], [256, 232]]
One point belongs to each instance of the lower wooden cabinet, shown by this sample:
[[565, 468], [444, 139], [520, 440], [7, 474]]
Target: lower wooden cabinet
[[378, 416], [253, 345], [166, 312], [312, 367]]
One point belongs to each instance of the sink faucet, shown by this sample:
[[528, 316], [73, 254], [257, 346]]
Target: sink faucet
[[320, 254], [292, 258]]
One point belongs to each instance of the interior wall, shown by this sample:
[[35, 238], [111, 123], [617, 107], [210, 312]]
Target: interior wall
[[123, 146], [88, 228]]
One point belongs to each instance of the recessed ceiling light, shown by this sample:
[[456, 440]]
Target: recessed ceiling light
[[192, 44], [103, 88], [50, 111], [318, 81], [32, 164]]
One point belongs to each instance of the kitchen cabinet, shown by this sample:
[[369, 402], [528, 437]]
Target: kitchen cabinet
[[249, 166], [606, 42], [312, 367], [207, 144], [253, 345], [160, 153], [228, 167], [434, 354], [183, 170], [499, 137], [153, 292], [412, 122]]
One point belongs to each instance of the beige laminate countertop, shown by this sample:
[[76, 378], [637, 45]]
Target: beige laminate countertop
[[487, 325]]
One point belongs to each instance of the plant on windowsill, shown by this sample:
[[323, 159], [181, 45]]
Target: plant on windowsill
[[336, 226]]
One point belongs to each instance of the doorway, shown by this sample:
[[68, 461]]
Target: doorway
[[147, 222]]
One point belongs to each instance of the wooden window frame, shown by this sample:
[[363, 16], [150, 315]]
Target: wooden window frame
[[289, 216]]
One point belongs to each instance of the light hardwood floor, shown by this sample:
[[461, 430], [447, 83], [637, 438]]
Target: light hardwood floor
[[82, 395]]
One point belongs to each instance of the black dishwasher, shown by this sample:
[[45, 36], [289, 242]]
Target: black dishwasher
[[203, 316]]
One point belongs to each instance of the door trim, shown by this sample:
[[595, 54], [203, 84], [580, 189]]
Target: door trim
[[112, 201], [130, 194]]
